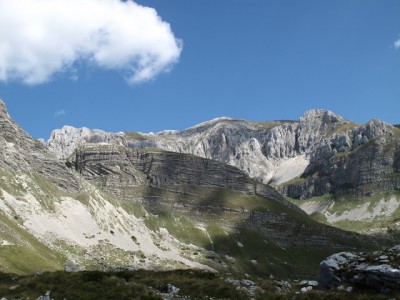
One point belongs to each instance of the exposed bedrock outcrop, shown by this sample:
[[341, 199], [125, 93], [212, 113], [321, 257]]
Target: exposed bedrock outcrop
[[378, 270], [361, 165], [20, 152]]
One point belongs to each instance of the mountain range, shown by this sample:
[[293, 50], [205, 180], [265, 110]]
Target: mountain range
[[227, 195], [346, 174]]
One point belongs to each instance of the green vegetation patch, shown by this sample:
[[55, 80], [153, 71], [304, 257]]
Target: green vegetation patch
[[180, 227], [294, 181], [24, 260], [26, 254], [192, 284], [10, 184], [344, 203], [118, 285]]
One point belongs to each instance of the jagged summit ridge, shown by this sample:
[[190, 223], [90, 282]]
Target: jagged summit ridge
[[3, 109], [64, 141], [322, 116], [272, 152], [211, 122]]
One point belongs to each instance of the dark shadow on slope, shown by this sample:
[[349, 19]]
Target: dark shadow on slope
[[259, 236]]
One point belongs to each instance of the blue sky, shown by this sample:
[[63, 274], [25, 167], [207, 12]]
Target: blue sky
[[249, 59]]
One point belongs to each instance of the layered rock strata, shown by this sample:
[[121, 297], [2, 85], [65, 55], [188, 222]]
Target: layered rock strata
[[118, 168]]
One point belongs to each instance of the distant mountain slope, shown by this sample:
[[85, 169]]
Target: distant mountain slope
[[364, 161], [110, 205]]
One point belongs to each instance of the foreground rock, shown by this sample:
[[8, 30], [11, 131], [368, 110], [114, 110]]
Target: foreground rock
[[248, 287], [378, 270]]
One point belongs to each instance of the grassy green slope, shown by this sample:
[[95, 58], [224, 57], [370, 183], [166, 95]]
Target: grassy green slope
[[26, 254], [376, 214], [220, 221]]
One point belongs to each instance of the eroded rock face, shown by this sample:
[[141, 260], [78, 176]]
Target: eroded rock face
[[378, 270], [64, 141], [361, 162], [20, 152]]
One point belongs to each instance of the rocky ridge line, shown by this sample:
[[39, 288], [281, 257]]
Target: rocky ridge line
[[254, 147], [22, 153], [271, 152]]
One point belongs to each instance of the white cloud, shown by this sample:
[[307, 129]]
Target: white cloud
[[40, 38], [397, 44], [60, 113]]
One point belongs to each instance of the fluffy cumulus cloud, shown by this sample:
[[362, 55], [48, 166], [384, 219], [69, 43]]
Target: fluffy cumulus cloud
[[40, 38]]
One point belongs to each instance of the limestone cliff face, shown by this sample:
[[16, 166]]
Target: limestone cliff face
[[20, 152], [322, 147], [361, 161], [64, 141]]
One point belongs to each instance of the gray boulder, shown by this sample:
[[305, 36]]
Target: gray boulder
[[45, 297], [362, 270]]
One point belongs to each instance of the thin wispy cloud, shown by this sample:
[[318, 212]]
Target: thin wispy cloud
[[59, 113], [397, 44], [41, 38]]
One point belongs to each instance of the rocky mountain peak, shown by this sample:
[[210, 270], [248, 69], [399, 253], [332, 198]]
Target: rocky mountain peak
[[320, 116], [3, 109], [64, 141], [212, 122], [375, 128]]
